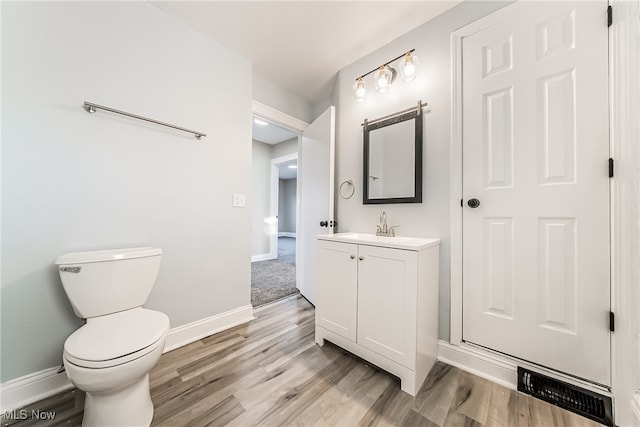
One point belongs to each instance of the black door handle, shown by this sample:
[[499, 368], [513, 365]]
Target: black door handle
[[473, 203], [324, 223]]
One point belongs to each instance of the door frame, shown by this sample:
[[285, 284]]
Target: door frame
[[296, 125], [275, 199], [486, 363], [624, 67], [625, 196]]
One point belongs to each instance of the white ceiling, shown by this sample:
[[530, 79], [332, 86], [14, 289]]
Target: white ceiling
[[271, 134], [286, 172], [301, 45]]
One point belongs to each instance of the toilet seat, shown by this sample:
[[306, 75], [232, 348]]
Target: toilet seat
[[116, 338]]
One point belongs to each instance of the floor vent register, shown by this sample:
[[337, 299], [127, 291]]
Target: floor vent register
[[567, 396]]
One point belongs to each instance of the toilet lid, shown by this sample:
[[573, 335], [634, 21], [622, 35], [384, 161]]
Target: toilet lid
[[116, 335]]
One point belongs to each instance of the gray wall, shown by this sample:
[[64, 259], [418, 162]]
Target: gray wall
[[261, 190], [262, 155], [432, 85], [281, 99], [283, 148], [287, 205], [73, 181]]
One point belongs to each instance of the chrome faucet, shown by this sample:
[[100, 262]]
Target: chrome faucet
[[383, 229]]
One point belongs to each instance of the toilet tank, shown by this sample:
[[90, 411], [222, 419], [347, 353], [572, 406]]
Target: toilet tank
[[104, 282]]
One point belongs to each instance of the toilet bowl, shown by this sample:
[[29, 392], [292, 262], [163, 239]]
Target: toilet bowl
[[110, 359], [111, 355]]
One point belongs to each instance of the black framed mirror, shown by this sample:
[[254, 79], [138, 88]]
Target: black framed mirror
[[393, 159]]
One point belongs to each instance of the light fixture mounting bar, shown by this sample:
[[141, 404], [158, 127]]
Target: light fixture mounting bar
[[91, 108], [385, 64], [417, 109]]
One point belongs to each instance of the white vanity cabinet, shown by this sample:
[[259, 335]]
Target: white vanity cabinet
[[378, 298], [337, 288]]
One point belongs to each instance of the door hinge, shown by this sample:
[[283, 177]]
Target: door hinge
[[461, 203], [609, 16], [610, 167], [612, 321]]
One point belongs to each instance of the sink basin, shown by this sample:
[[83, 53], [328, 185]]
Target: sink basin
[[399, 242]]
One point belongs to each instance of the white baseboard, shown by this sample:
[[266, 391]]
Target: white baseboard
[[23, 391], [286, 234], [484, 366], [502, 369], [635, 406], [186, 334], [263, 257], [20, 392]]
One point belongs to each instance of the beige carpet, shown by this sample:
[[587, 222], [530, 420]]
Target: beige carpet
[[275, 279]]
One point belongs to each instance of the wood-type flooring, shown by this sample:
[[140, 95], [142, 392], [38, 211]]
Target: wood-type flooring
[[270, 372]]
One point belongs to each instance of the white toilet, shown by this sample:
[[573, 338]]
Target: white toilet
[[111, 355]]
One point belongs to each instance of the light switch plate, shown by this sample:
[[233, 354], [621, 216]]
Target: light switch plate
[[239, 200]]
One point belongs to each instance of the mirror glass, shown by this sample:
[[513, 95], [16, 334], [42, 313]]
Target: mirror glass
[[393, 160]]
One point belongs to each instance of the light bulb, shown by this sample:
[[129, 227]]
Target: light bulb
[[383, 78], [408, 67], [359, 89]]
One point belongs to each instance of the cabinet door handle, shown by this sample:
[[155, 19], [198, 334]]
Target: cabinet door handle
[[361, 258], [352, 256]]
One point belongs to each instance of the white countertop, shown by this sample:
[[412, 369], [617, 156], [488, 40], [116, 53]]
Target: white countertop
[[398, 242]]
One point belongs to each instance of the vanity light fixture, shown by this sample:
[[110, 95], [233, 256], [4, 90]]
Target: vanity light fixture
[[359, 89], [260, 122], [408, 66], [385, 75]]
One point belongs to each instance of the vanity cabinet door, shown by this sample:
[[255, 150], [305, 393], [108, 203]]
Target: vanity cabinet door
[[337, 287], [387, 289]]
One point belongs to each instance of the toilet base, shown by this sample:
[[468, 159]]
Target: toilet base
[[129, 406]]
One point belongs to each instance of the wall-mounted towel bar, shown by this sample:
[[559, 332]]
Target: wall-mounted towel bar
[[91, 108]]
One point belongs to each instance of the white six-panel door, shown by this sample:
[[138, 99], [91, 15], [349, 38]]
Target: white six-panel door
[[535, 147], [315, 178]]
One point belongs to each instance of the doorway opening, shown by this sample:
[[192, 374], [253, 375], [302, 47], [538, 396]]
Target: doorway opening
[[274, 212]]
